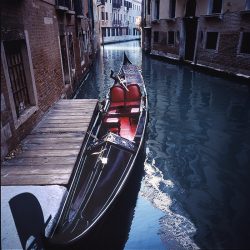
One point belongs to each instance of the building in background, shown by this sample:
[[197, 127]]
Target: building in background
[[47, 47], [119, 20], [209, 33]]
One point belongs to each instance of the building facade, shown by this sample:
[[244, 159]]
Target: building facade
[[209, 33], [46, 49], [119, 20]]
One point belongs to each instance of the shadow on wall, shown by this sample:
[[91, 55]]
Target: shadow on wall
[[29, 220]]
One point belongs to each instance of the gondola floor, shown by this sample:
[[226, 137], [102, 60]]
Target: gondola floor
[[127, 129]]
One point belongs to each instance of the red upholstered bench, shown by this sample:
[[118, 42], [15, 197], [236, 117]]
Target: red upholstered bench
[[133, 95], [113, 124], [117, 97]]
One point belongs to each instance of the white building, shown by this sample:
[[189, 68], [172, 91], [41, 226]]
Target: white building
[[120, 20]]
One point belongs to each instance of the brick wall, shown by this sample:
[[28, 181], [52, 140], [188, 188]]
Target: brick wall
[[38, 19], [163, 26], [227, 56]]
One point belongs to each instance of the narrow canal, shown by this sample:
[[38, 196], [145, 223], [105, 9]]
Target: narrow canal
[[195, 187]]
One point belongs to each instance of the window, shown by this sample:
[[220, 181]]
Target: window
[[149, 6], [102, 15], [20, 81], [247, 4], [171, 38], [71, 52], [107, 16], [211, 42], [156, 36], [215, 6], [245, 41], [19, 85], [103, 31], [157, 9], [172, 4]]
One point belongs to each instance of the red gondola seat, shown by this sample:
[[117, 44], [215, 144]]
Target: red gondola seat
[[112, 124], [133, 95], [117, 97]]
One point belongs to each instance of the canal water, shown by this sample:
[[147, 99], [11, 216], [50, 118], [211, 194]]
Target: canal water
[[194, 191]]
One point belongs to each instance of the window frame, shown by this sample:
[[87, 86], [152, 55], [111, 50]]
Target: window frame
[[172, 8], [217, 42], [31, 85], [211, 7], [239, 52], [168, 35]]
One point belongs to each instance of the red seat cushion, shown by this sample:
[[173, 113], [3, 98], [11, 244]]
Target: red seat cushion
[[116, 104], [133, 96], [133, 103], [117, 94]]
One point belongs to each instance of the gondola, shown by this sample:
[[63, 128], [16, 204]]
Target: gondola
[[108, 156]]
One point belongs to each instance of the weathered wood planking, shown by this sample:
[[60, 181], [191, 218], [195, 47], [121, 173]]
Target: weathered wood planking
[[50, 151]]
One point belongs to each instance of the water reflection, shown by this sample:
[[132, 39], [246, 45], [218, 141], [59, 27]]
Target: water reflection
[[202, 145], [197, 175]]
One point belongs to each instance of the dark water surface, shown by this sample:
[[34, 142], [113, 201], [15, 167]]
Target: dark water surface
[[195, 190]]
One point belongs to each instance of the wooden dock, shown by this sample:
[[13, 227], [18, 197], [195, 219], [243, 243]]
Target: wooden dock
[[50, 151]]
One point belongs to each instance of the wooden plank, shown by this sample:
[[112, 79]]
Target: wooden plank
[[52, 130], [53, 141], [40, 161], [51, 146], [85, 117], [32, 170], [79, 134], [46, 153], [67, 121], [51, 149], [64, 125], [67, 108], [70, 112]]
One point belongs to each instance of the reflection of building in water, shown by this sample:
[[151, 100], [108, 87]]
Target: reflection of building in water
[[214, 34], [119, 20], [176, 231]]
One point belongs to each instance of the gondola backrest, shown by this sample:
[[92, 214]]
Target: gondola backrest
[[133, 95], [117, 96]]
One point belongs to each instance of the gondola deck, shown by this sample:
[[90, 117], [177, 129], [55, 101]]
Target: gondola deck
[[109, 156]]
